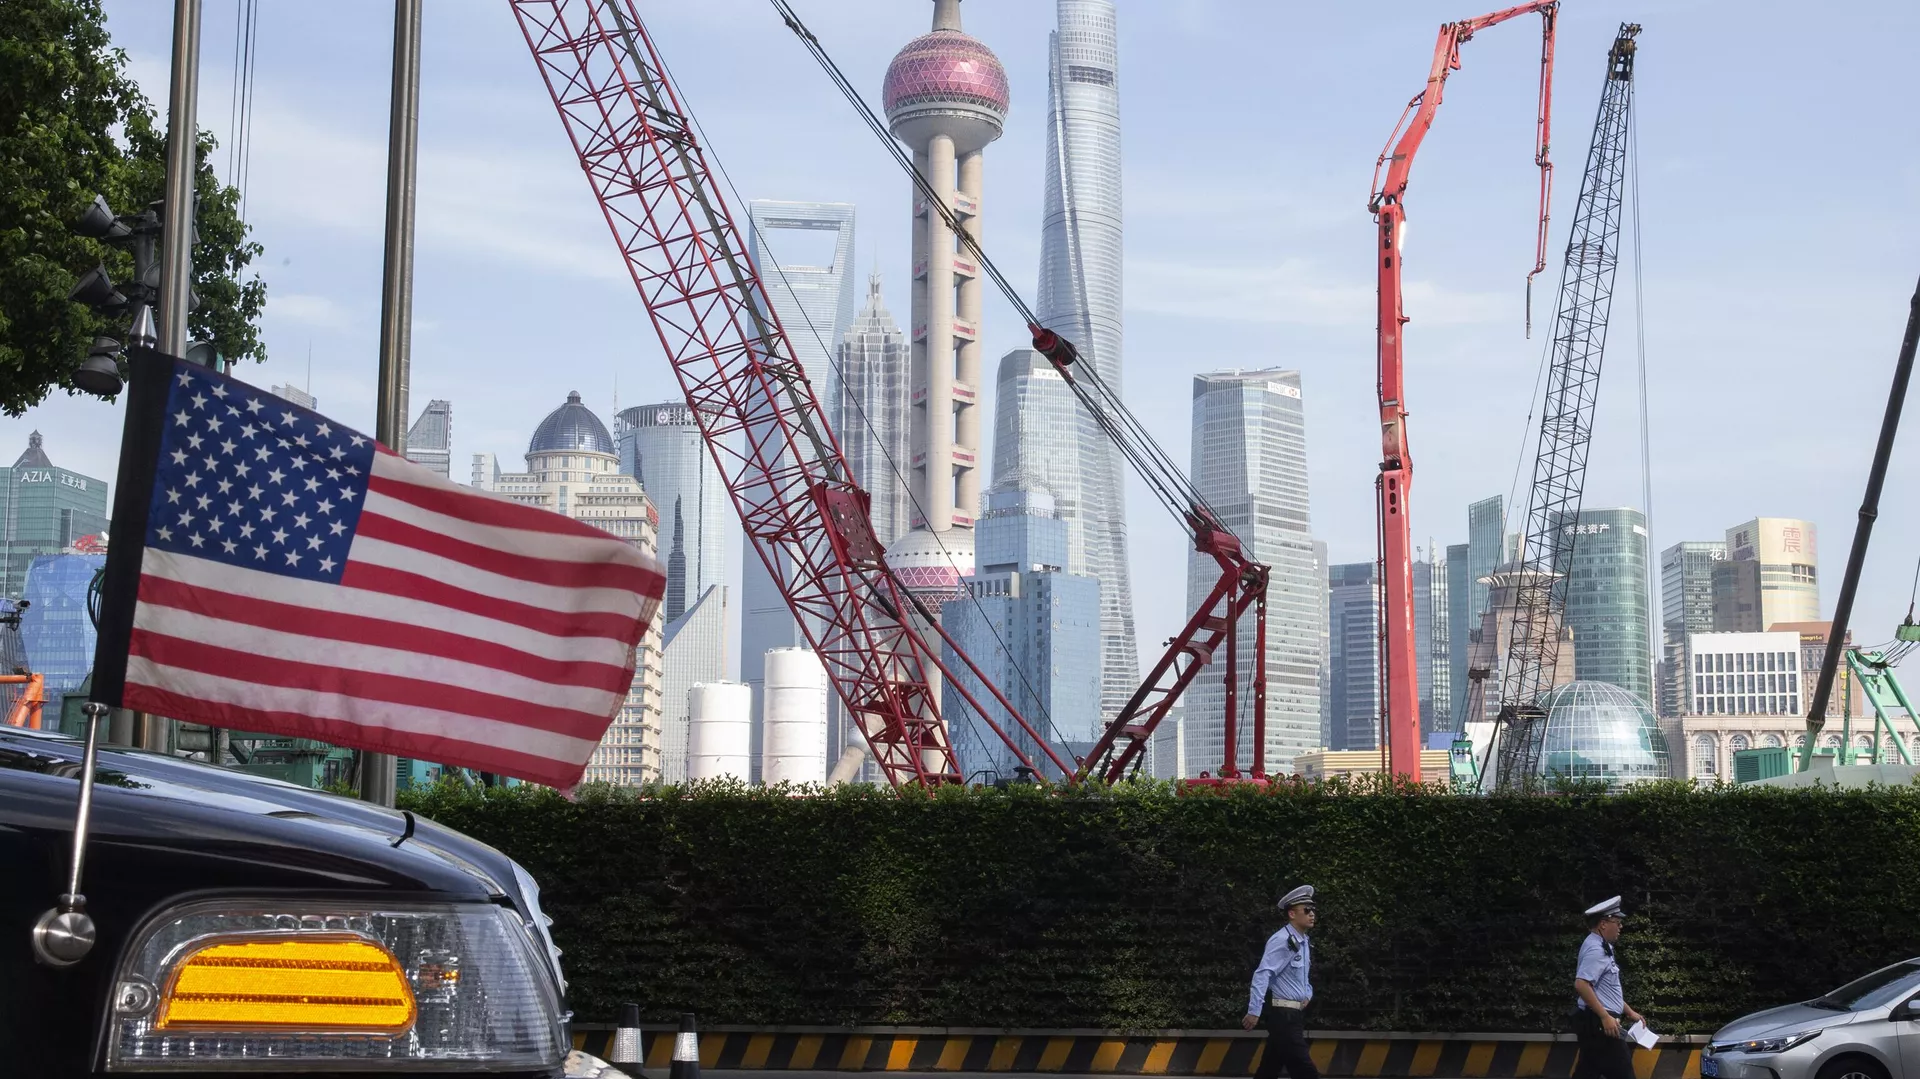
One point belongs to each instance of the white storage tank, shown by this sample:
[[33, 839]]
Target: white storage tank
[[795, 750], [719, 731]]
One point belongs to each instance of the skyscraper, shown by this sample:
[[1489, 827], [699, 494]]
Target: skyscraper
[[1486, 549], [693, 650], [815, 306], [44, 509], [660, 446], [1686, 608], [1353, 612], [946, 97], [1607, 600], [1036, 440], [1432, 626], [430, 439], [1032, 626], [1461, 625], [875, 412], [1250, 463], [1785, 573], [1080, 297]]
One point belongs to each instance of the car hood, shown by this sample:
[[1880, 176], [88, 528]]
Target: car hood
[[1784, 1020], [289, 835]]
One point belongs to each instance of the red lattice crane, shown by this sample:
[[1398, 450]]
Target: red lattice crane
[[1394, 485], [802, 513]]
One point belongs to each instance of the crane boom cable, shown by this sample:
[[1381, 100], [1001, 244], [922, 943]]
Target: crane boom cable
[[1654, 627], [1165, 479]]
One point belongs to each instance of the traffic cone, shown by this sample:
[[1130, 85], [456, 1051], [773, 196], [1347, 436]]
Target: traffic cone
[[625, 1053], [686, 1050]]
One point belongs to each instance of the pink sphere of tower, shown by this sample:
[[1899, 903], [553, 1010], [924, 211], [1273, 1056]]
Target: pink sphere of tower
[[946, 83]]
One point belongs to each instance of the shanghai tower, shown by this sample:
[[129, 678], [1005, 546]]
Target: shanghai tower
[[1080, 293]]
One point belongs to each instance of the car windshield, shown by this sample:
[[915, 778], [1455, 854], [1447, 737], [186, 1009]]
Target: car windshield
[[1882, 987]]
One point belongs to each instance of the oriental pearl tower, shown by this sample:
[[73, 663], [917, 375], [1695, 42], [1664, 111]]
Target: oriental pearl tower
[[946, 97]]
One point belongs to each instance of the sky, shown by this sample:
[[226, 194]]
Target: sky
[[1778, 222]]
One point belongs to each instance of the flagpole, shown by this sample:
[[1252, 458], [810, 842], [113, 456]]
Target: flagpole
[[396, 295], [176, 241]]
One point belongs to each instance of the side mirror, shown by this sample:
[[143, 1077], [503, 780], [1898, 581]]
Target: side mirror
[[1903, 1010]]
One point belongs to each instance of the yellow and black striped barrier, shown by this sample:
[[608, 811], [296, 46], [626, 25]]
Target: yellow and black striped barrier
[[1227, 1053]]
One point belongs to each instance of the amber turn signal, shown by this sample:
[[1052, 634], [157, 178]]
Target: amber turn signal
[[317, 982]]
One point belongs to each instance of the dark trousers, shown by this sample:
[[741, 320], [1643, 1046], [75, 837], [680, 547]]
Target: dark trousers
[[1601, 1057], [1287, 1046]]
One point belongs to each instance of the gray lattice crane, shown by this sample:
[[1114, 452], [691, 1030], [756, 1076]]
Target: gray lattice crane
[[1566, 428]]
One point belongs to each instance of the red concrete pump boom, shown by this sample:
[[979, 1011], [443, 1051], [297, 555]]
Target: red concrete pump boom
[[803, 515], [1395, 482]]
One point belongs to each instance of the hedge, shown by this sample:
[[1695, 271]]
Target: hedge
[[1138, 908]]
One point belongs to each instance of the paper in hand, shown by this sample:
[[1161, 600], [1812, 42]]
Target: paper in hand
[[1641, 1036]]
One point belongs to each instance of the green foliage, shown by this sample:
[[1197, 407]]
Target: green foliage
[[1138, 908], [73, 125]]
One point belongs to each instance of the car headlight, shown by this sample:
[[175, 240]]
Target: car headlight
[[1767, 1045], [539, 922], [301, 985]]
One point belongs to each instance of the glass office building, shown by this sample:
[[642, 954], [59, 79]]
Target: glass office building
[[1686, 608], [1607, 600], [1461, 623], [814, 302], [1032, 626], [1250, 464], [1036, 441], [43, 510], [1353, 635], [660, 446], [1080, 294]]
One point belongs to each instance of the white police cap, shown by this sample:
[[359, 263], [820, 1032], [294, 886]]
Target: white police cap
[[1607, 908], [1302, 894]]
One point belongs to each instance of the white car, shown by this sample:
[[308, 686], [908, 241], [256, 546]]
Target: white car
[[1868, 1028]]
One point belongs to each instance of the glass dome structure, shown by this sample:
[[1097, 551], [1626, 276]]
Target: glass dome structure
[[571, 428], [1598, 731]]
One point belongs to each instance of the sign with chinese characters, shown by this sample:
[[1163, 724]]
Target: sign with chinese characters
[[1586, 529], [49, 475]]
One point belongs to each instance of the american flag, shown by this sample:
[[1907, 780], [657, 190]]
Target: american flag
[[272, 571]]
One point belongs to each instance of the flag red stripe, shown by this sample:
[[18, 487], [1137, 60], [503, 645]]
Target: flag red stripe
[[395, 582], [329, 679], [379, 633], [608, 574], [454, 751], [483, 509]]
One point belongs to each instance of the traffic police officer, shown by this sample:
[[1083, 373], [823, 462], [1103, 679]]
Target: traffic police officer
[[1601, 1005], [1281, 989]]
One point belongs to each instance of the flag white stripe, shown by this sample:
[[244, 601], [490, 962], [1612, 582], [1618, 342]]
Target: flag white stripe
[[399, 610], [553, 546], [484, 734], [373, 659], [494, 586]]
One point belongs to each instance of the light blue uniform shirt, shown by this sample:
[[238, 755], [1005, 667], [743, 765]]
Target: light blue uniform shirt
[[1282, 971], [1598, 968]]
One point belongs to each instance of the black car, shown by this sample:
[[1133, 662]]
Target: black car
[[249, 926]]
